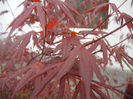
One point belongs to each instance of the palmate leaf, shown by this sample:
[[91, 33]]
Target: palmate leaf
[[86, 71], [20, 84], [72, 9], [115, 9], [118, 57], [19, 48], [18, 73], [62, 6], [66, 46], [19, 42], [32, 72], [44, 82], [65, 68], [96, 69], [35, 68], [104, 50], [112, 88], [125, 17], [19, 21], [121, 55], [100, 93]]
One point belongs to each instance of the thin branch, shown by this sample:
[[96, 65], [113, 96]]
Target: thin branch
[[120, 42], [107, 18], [108, 33], [122, 4]]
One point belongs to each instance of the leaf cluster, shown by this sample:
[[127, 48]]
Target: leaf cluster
[[64, 65]]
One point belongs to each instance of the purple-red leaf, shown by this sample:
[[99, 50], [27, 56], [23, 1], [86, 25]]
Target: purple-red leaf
[[62, 87], [114, 8], [20, 19], [22, 82], [62, 6], [97, 8], [71, 8], [76, 91], [44, 82], [86, 70], [100, 93], [125, 17], [41, 15], [105, 54], [65, 68]]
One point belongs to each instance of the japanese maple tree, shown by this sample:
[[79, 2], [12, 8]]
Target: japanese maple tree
[[66, 61]]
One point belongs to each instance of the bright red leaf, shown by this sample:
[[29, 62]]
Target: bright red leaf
[[73, 34], [51, 24]]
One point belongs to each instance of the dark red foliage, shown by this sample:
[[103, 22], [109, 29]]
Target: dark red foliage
[[64, 66]]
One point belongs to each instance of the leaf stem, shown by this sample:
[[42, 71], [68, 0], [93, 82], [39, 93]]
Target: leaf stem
[[85, 44]]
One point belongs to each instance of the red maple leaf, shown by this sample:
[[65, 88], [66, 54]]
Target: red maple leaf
[[51, 24], [73, 34]]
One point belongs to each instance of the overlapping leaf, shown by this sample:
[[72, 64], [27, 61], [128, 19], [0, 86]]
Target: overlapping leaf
[[120, 54], [62, 88], [35, 68], [86, 71], [104, 49], [41, 15], [97, 8], [68, 63], [105, 54], [62, 6], [19, 21], [66, 46], [125, 17], [44, 82]]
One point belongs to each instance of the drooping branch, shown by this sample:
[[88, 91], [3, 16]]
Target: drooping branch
[[88, 43]]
